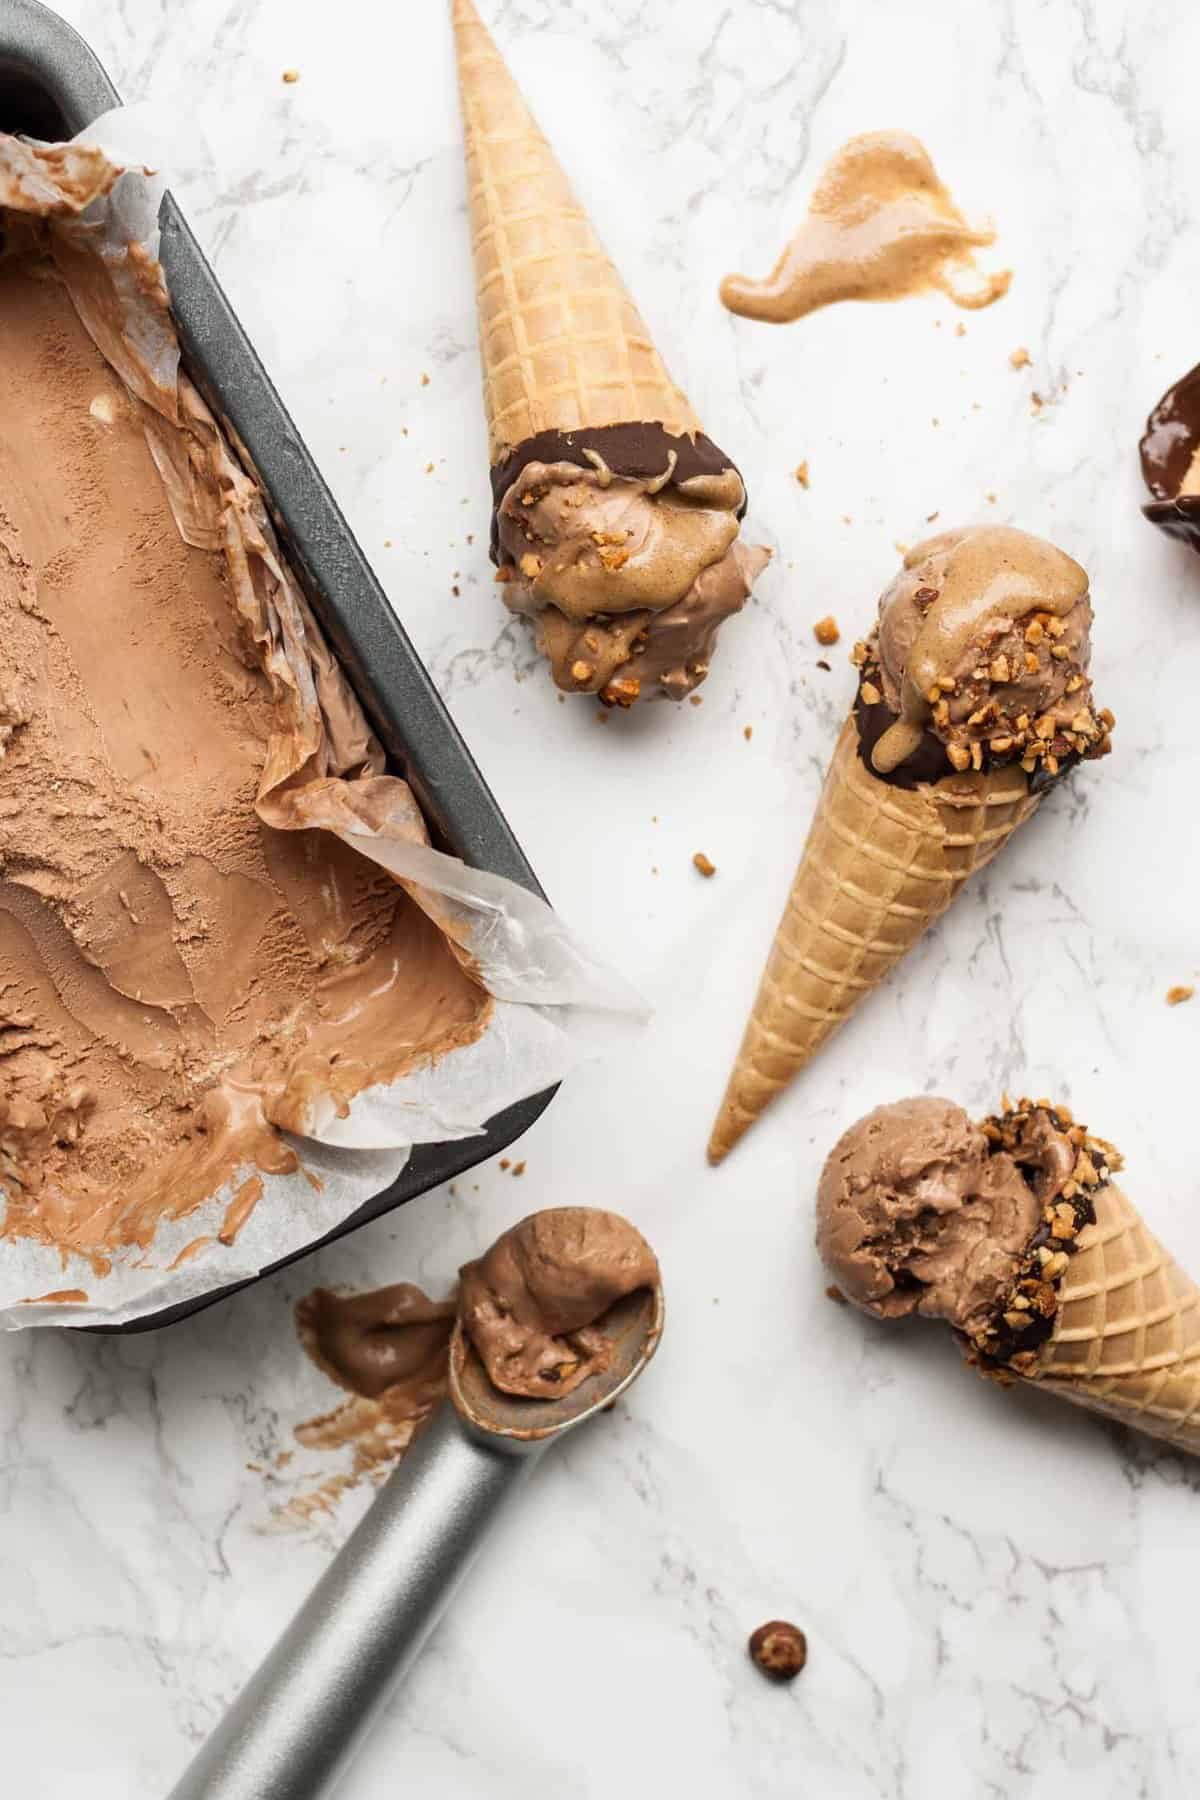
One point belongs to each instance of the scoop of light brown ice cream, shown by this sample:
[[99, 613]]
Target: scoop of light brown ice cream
[[984, 641], [627, 580], [534, 1305], [915, 1214]]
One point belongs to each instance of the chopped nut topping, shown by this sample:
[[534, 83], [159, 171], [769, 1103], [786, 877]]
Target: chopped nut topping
[[826, 630], [531, 565], [505, 572], [621, 691], [959, 757], [999, 668], [859, 654], [871, 695], [582, 671], [1035, 631]]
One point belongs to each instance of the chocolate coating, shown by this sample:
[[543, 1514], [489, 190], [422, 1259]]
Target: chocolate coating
[[1167, 448], [639, 449]]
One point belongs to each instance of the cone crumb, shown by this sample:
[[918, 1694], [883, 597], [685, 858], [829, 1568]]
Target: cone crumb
[[1020, 359], [747, 732], [705, 866], [291, 76], [826, 630], [1178, 994], [424, 380], [802, 474]]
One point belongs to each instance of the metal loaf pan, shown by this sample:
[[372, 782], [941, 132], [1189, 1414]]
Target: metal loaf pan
[[51, 86]]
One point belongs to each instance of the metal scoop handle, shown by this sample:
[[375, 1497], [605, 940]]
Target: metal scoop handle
[[295, 1726]]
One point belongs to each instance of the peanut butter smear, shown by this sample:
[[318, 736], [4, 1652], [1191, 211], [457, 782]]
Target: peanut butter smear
[[178, 979], [880, 226]]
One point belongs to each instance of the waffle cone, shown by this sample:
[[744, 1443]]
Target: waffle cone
[[881, 864], [563, 345], [1126, 1338]]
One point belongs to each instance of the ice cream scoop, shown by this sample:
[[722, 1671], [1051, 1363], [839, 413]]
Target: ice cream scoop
[[300, 1718], [1013, 1231]]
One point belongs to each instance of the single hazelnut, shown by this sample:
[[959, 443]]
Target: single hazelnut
[[780, 1649]]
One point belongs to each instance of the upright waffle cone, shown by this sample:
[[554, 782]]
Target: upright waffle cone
[[881, 864], [1126, 1338], [563, 345]]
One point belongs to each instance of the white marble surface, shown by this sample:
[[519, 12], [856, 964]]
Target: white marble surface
[[996, 1591]]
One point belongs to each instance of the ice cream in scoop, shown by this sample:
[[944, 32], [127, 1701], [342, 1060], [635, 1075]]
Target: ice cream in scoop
[[533, 1306]]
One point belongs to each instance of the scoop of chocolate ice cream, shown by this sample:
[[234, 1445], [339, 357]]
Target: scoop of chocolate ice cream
[[983, 645], [534, 1305], [915, 1214]]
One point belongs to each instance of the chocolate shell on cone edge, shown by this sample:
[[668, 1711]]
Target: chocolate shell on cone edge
[[881, 863], [1170, 441], [1126, 1337]]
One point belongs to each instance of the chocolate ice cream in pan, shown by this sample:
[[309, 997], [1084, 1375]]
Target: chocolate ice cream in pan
[[1170, 451], [974, 698], [616, 520], [228, 952], [1013, 1231]]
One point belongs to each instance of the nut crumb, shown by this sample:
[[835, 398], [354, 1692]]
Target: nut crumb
[[779, 1649], [826, 630], [802, 474], [747, 732], [429, 468], [424, 379], [705, 866], [835, 1293], [291, 76], [505, 1163], [960, 329], [1020, 359], [695, 699], [518, 1168], [1178, 994]]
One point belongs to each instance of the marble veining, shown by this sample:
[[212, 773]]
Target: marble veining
[[995, 1589]]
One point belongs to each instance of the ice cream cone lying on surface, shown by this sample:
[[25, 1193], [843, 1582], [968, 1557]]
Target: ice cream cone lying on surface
[[973, 699], [1014, 1232], [615, 521]]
